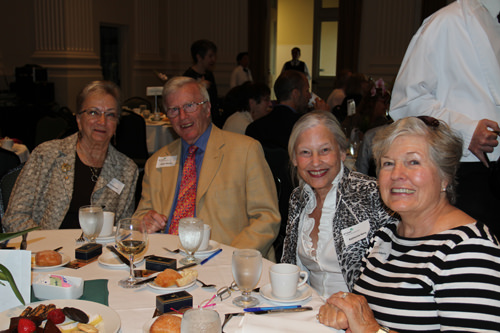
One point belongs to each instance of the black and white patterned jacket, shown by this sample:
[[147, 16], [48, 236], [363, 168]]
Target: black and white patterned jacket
[[358, 200], [43, 191]]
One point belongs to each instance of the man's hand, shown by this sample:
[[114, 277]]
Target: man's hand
[[484, 140], [154, 221]]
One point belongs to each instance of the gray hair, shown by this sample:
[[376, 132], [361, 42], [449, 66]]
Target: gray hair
[[177, 82], [445, 146], [308, 121], [105, 87]]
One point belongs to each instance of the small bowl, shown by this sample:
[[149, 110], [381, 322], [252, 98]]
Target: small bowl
[[46, 291]]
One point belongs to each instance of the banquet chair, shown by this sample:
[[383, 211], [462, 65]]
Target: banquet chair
[[6, 185], [130, 137], [55, 125], [136, 102]]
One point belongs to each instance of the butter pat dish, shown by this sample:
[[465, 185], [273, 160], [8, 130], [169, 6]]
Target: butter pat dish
[[52, 286]]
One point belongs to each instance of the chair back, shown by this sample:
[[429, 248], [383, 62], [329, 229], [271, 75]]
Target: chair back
[[8, 160], [6, 185], [136, 102], [55, 125], [131, 137]]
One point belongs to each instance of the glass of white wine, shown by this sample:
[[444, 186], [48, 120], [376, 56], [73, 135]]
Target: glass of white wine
[[191, 231], [247, 268], [132, 238], [90, 218]]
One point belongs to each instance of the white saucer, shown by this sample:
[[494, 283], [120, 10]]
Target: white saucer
[[65, 260], [212, 247], [303, 292], [173, 288], [111, 260], [106, 239]]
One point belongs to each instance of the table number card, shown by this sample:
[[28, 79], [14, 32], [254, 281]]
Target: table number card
[[19, 264]]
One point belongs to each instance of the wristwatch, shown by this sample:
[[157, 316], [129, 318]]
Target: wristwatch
[[383, 329]]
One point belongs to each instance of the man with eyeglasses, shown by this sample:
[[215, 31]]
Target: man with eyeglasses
[[233, 190]]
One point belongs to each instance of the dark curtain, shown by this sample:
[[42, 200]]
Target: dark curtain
[[258, 39], [348, 35]]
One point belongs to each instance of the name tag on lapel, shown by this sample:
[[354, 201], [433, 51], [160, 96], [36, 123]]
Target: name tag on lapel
[[116, 185], [166, 161], [356, 232]]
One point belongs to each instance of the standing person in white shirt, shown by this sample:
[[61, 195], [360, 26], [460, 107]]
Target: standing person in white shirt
[[451, 71], [241, 73]]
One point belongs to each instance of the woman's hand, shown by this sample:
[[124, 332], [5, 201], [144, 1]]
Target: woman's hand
[[355, 308], [154, 221], [332, 316]]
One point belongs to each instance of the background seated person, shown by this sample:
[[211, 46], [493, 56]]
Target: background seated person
[[62, 175], [233, 192], [334, 212], [437, 269]]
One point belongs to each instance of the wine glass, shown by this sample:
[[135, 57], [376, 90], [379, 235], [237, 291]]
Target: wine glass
[[131, 237], [190, 234], [247, 268], [90, 218]]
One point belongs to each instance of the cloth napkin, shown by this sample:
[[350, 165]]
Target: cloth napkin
[[270, 324], [93, 290]]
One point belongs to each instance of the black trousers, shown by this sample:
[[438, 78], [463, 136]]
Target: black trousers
[[476, 197]]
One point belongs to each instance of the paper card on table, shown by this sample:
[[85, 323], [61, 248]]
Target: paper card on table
[[19, 264]]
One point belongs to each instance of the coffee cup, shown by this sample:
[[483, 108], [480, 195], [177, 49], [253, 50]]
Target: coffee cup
[[7, 143], [108, 221], [206, 238], [285, 280]]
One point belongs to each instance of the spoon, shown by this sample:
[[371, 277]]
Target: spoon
[[206, 286], [172, 251]]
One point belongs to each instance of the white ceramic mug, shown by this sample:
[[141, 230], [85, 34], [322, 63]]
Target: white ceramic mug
[[285, 280], [108, 221], [7, 143], [206, 238]]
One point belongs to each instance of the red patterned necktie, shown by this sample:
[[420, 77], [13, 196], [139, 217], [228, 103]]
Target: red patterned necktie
[[186, 200]]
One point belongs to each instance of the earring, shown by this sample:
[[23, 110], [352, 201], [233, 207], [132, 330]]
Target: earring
[[443, 189]]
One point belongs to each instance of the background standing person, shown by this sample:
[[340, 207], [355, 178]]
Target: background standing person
[[82, 169], [451, 71], [241, 73], [204, 54], [296, 64]]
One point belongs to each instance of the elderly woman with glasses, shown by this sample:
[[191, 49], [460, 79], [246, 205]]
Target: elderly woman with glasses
[[438, 269], [84, 168], [334, 212]]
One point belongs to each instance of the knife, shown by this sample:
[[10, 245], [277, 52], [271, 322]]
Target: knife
[[120, 256], [149, 279], [304, 308]]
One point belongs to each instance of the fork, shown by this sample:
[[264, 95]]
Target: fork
[[80, 239], [172, 251]]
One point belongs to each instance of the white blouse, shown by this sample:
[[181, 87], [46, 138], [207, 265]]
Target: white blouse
[[325, 275]]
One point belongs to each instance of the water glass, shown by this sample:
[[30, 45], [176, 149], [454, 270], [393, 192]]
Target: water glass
[[90, 218], [247, 268], [191, 231], [200, 320]]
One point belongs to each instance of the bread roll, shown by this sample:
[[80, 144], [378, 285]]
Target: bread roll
[[188, 276], [167, 278], [166, 323], [48, 258]]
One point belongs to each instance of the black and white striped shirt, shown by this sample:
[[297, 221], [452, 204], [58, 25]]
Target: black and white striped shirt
[[444, 282]]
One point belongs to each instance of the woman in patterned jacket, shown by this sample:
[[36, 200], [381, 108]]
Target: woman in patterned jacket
[[334, 212], [63, 175]]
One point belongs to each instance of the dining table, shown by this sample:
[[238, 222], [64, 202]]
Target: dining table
[[136, 307], [159, 133]]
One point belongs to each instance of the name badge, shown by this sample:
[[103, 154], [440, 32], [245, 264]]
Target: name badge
[[116, 185], [355, 233], [166, 161]]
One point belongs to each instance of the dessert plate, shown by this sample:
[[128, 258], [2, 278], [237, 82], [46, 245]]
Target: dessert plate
[[303, 292], [110, 319], [65, 260]]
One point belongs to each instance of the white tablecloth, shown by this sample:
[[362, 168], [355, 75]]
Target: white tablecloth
[[136, 306], [158, 134]]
